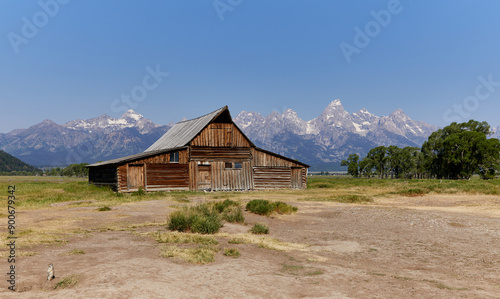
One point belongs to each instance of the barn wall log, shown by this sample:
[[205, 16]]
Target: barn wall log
[[220, 135], [220, 153], [272, 178], [166, 176]]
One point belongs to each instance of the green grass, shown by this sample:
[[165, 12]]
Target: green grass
[[46, 191], [414, 187]]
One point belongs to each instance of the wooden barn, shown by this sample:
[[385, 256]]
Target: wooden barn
[[206, 153]]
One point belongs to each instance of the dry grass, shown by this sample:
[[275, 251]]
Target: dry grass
[[263, 242], [199, 255]]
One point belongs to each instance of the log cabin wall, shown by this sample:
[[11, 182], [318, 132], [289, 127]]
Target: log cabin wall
[[104, 176], [274, 172], [122, 178], [263, 159], [220, 135], [156, 173], [221, 164], [228, 179]]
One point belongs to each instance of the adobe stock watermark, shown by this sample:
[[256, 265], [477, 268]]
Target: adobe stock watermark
[[483, 91], [138, 93], [362, 38], [223, 6], [30, 28]]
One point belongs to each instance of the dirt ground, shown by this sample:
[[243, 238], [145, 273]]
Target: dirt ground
[[436, 246]]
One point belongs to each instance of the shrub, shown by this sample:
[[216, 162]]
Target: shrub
[[105, 208], [206, 224], [201, 219], [231, 252], [259, 206], [233, 214], [264, 207], [260, 229], [221, 206], [283, 208], [180, 220]]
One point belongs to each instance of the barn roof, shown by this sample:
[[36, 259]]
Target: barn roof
[[183, 132], [135, 157]]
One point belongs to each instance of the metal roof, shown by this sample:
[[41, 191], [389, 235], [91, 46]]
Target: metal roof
[[183, 132], [135, 157]]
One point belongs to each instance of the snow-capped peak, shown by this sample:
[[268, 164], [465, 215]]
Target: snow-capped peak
[[335, 103], [105, 123], [132, 115]]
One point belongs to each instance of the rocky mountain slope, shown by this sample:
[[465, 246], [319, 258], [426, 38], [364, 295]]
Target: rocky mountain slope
[[333, 135], [78, 141]]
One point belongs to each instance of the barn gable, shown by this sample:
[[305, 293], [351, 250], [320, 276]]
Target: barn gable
[[217, 126]]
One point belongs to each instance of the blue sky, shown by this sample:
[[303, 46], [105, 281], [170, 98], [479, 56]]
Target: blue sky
[[439, 61]]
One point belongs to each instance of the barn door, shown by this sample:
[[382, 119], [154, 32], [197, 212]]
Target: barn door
[[204, 177], [297, 178], [135, 177]]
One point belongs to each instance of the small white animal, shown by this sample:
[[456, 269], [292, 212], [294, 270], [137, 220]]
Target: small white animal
[[50, 272]]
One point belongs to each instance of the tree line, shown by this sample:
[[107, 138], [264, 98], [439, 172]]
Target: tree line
[[457, 151], [76, 170]]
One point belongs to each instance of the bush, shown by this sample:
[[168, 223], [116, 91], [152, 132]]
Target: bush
[[264, 207], [260, 229], [203, 219], [259, 206], [231, 252], [233, 214], [283, 208], [221, 206]]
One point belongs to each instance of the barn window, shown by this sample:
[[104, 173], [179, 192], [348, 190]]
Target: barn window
[[174, 157], [237, 165], [228, 165]]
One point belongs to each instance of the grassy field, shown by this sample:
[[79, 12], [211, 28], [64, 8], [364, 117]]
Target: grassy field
[[42, 192]]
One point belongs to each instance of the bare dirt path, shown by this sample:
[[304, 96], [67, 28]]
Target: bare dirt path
[[425, 247]]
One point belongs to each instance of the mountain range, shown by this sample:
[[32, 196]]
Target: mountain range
[[49, 144], [321, 142]]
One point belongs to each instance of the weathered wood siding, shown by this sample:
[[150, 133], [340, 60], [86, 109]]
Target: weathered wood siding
[[122, 178], [274, 172], [304, 178], [104, 176], [135, 176], [220, 154], [220, 135], [261, 158], [165, 158], [272, 178], [167, 176], [297, 178], [226, 179]]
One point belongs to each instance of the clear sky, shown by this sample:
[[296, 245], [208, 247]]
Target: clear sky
[[439, 61]]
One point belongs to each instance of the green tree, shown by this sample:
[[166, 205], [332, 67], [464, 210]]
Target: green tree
[[460, 150], [377, 159], [352, 165]]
